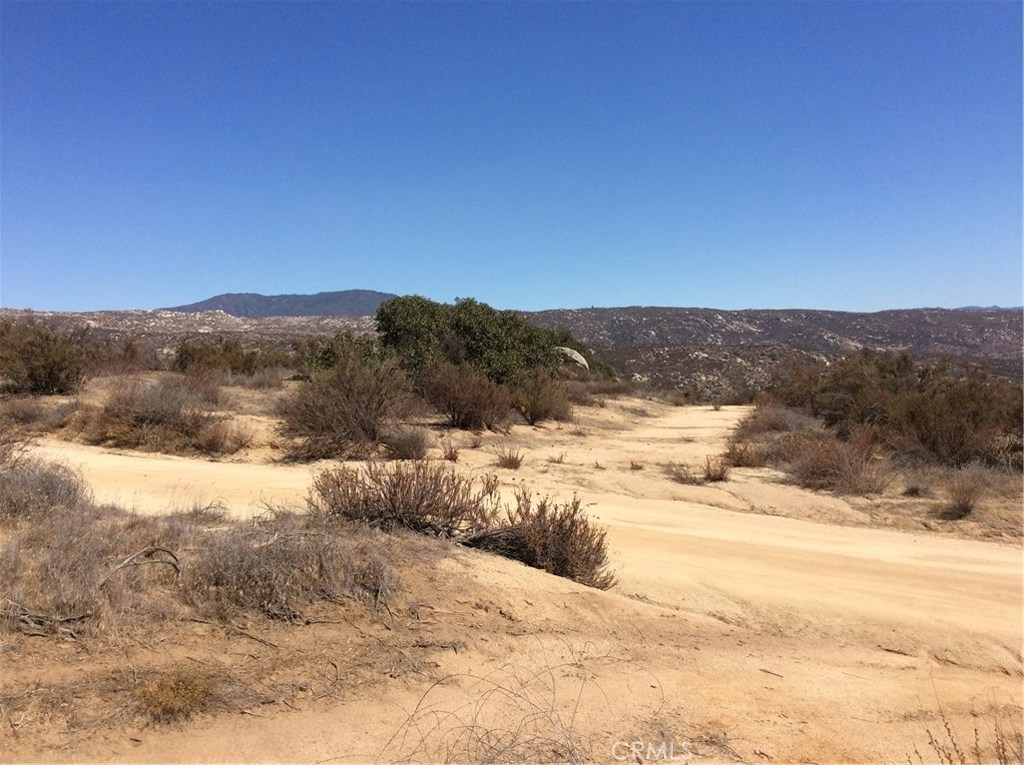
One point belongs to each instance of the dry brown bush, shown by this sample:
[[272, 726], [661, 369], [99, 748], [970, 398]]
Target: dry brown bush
[[70, 568], [822, 461], [407, 443], [740, 454], [22, 411], [40, 360], [466, 396], [224, 437], [715, 469], [345, 411], [967, 485], [265, 378], [557, 538], [425, 498], [771, 418], [33, 488], [538, 397], [165, 416], [281, 567]]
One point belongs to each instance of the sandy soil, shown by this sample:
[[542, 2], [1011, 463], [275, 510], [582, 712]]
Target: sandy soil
[[754, 621]]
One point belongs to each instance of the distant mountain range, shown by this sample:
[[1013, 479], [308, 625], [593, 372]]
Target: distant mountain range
[[249, 305]]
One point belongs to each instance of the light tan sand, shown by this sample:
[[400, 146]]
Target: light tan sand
[[734, 632]]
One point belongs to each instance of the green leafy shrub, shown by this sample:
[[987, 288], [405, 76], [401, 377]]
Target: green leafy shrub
[[40, 360], [502, 344]]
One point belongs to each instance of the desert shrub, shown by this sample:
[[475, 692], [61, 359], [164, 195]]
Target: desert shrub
[[226, 355], [611, 387], [681, 473], [466, 396], [419, 496], [510, 459], [32, 488], [13, 447], [822, 461], [224, 437], [266, 378], [771, 418], [715, 469], [69, 567], [538, 397], [22, 411], [943, 412], [579, 394], [557, 538], [165, 416], [501, 344], [278, 570], [967, 485], [40, 360], [744, 454], [407, 443], [345, 410]]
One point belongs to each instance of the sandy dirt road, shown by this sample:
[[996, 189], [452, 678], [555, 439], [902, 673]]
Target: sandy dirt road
[[801, 640]]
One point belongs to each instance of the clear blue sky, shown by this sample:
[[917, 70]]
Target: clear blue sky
[[843, 155]]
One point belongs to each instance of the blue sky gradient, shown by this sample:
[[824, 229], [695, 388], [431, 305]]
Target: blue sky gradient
[[837, 155]]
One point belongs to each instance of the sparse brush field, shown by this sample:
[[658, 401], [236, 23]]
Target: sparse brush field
[[194, 569]]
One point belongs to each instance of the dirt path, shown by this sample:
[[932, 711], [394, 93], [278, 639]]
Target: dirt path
[[735, 631]]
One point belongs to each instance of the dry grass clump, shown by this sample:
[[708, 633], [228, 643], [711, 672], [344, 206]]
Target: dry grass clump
[[449, 451], [557, 538], [345, 411], [278, 568], [967, 485], [425, 498], [681, 473], [510, 459], [996, 738], [516, 714], [22, 411], [175, 695], [466, 396], [407, 443], [579, 393], [70, 567], [715, 469], [538, 397]]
